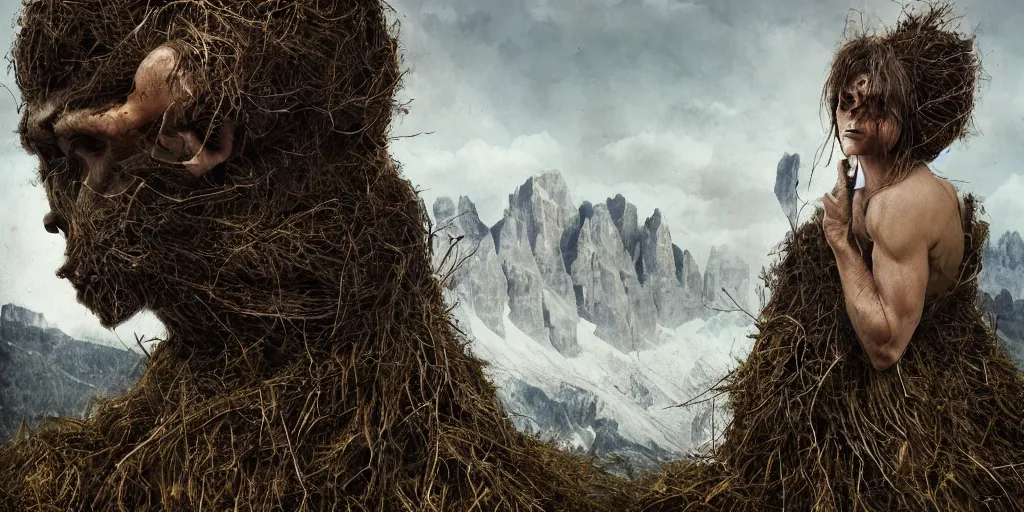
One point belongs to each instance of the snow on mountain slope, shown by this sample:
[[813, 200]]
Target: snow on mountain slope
[[637, 390]]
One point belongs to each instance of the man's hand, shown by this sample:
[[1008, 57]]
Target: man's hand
[[836, 222]]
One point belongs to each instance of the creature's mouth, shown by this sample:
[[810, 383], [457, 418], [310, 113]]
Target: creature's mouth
[[853, 132], [110, 307]]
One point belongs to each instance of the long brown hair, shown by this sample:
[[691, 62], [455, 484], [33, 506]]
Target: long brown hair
[[922, 72]]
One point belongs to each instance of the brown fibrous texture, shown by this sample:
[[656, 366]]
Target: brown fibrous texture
[[311, 362], [816, 427]]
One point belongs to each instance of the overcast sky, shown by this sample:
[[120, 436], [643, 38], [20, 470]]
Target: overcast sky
[[682, 106]]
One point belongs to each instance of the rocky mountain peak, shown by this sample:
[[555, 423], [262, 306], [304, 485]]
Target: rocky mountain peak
[[461, 219], [444, 210], [661, 268], [657, 256], [1003, 264], [20, 315], [541, 201], [464, 243], [531, 239], [1009, 250], [653, 223], [786, 179], [726, 270], [560, 263], [687, 271], [625, 217]]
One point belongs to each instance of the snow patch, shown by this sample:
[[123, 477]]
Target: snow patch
[[688, 361]]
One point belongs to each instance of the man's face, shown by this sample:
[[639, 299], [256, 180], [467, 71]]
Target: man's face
[[864, 128]]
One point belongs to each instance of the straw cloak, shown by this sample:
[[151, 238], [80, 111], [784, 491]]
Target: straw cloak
[[815, 427]]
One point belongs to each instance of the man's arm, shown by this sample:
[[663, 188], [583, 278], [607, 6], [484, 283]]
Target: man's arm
[[885, 305]]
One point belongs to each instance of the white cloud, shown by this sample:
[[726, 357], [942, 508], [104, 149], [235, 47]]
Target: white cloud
[[485, 172], [1005, 206], [670, 6], [658, 155]]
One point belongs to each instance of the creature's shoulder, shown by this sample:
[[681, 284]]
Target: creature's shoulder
[[898, 214]]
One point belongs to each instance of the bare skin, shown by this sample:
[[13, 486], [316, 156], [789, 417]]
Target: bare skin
[[99, 140], [912, 231]]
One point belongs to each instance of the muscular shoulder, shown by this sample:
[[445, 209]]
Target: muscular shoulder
[[900, 218]]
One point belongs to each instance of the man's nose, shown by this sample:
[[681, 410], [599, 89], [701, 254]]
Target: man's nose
[[55, 222]]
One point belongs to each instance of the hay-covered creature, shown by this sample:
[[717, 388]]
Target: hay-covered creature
[[816, 424], [225, 165]]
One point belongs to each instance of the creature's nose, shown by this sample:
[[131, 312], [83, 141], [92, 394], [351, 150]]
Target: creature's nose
[[54, 223]]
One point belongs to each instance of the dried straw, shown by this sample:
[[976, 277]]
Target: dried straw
[[815, 427], [311, 363]]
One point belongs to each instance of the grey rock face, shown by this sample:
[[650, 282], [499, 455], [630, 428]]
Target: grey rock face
[[561, 319], [688, 273], [553, 264], [44, 372], [1003, 265], [462, 219], [657, 257], [643, 312], [787, 176], [1010, 249], [539, 215], [13, 315], [544, 204], [608, 292], [525, 286], [465, 242], [624, 215], [659, 270], [728, 271], [1009, 322]]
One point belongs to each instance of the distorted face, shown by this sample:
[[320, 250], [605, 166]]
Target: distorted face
[[864, 127], [114, 177]]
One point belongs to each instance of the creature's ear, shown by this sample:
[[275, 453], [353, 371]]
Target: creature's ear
[[175, 144], [162, 88], [204, 159]]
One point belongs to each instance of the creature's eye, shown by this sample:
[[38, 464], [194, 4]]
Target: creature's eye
[[85, 145]]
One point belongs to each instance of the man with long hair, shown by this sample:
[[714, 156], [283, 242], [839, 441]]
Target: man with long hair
[[814, 426], [896, 101]]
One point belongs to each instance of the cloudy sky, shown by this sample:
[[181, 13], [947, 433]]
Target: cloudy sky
[[682, 106]]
